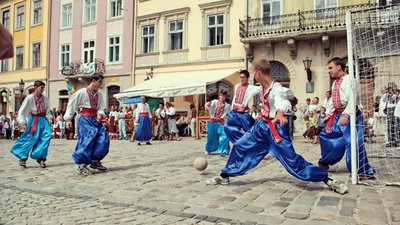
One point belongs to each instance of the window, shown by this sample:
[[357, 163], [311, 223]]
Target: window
[[114, 49], [271, 10], [65, 55], [215, 30], [88, 51], [280, 73], [115, 8], [36, 55], [325, 8], [6, 19], [37, 12], [20, 17], [4, 65], [175, 35], [66, 15], [19, 57], [90, 11], [148, 39]]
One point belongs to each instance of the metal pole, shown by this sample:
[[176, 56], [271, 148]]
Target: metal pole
[[352, 101]]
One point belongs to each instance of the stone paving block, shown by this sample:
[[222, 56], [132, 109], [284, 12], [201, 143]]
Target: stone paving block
[[323, 213], [281, 204], [347, 212], [328, 201], [297, 212], [304, 200], [253, 209], [372, 216]]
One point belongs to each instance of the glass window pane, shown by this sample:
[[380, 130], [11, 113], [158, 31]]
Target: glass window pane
[[180, 25], [145, 32], [172, 26], [111, 41], [116, 53], [220, 19], [211, 20], [266, 9], [319, 4], [276, 8], [151, 30]]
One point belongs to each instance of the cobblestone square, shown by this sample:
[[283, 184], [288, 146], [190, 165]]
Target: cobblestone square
[[157, 184]]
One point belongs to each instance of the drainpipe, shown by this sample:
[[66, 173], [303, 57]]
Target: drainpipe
[[48, 48], [247, 29]]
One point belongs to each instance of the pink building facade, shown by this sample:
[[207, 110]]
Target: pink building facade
[[89, 36]]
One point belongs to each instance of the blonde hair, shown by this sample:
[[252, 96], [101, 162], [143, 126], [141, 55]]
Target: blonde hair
[[262, 65]]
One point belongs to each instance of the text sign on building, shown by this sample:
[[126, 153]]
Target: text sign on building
[[131, 100]]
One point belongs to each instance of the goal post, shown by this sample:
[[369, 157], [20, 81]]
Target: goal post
[[373, 45]]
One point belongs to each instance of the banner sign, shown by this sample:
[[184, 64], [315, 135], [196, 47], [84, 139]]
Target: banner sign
[[131, 100]]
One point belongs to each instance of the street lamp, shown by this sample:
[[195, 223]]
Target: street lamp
[[307, 65], [21, 86]]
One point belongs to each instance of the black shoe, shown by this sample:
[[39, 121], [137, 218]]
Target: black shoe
[[148, 143], [139, 143], [41, 163], [22, 163], [97, 165]]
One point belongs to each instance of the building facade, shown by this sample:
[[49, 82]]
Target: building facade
[[28, 22], [292, 35], [187, 37], [90, 36]]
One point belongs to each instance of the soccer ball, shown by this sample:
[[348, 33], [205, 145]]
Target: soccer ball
[[200, 163]]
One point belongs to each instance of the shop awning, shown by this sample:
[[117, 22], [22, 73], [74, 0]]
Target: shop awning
[[177, 84]]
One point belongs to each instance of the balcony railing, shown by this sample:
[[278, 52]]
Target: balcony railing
[[322, 20], [81, 68]]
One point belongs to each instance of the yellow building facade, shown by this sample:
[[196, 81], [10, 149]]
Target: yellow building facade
[[27, 21]]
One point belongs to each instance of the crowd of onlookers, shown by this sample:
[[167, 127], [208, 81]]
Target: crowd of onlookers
[[167, 124]]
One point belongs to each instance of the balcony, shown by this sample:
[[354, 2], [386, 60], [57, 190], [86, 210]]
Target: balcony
[[300, 25], [79, 69]]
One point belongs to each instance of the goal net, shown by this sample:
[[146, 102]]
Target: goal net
[[374, 36]]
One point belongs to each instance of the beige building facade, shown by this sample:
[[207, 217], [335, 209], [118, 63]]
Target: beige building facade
[[288, 33], [186, 37]]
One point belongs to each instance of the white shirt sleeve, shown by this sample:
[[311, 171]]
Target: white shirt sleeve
[[73, 103], [280, 99], [25, 109], [100, 105]]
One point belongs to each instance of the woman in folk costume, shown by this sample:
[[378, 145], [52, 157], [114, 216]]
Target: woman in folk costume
[[270, 134], [38, 133], [171, 121], [111, 123], [93, 141], [216, 137], [143, 116], [335, 139], [239, 120]]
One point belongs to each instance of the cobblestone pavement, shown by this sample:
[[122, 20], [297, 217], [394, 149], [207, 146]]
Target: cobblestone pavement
[[157, 185]]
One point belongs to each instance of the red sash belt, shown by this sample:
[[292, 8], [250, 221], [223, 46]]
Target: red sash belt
[[144, 114], [240, 108], [214, 119], [89, 112], [273, 129], [332, 118], [35, 121]]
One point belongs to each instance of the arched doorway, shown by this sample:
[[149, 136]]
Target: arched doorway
[[111, 90], [63, 102], [212, 90], [280, 73]]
